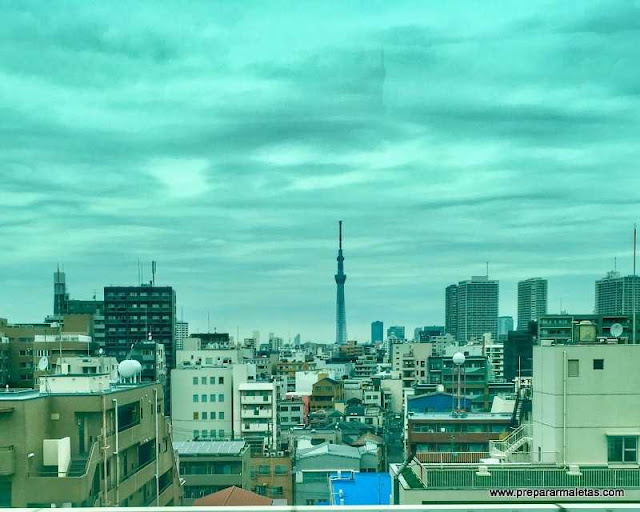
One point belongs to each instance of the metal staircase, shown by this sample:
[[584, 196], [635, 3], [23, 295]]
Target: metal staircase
[[501, 449]]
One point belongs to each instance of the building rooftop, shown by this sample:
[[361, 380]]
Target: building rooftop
[[209, 447], [465, 416], [361, 489], [233, 497]]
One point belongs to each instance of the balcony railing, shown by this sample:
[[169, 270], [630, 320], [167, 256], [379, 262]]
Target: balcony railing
[[517, 476], [451, 457]]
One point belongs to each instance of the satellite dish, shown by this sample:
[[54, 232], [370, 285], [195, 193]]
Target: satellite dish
[[616, 330], [100, 351], [43, 364]]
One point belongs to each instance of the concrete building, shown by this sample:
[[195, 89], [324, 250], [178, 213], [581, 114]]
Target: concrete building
[[325, 393], [206, 401], [583, 328], [477, 309], [4, 361], [518, 355], [396, 332], [182, 332], [615, 294], [410, 360], [271, 477], [451, 310], [258, 415], [532, 301], [505, 325], [84, 441], [581, 441], [314, 464], [377, 331], [210, 466]]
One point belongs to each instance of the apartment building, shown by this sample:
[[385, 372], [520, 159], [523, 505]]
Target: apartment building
[[82, 440], [211, 466], [258, 415]]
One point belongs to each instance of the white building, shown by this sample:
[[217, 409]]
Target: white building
[[410, 359], [202, 401], [86, 366], [182, 332], [258, 414], [306, 379]]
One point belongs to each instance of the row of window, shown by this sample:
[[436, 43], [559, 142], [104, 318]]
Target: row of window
[[208, 416], [199, 434], [211, 398], [573, 366], [203, 380], [294, 408]]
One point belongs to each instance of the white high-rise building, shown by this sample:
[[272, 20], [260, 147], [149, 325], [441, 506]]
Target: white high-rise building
[[532, 301], [182, 332], [258, 415]]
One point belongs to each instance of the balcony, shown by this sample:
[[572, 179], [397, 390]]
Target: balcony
[[255, 400], [255, 427], [7, 461], [451, 457], [257, 413]]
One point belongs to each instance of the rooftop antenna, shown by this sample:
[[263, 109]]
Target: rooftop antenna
[[153, 273], [208, 318], [487, 270], [139, 273], [615, 263], [340, 234]]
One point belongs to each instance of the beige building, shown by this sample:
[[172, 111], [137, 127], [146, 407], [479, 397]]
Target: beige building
[[84, 441], [410, 360], [271, 477]]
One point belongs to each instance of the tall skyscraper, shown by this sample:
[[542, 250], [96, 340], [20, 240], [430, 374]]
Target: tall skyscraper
[[532, 301], [451, 310], [615, 294], [341, 315], [377, 331], [505, 324], [477, 308]]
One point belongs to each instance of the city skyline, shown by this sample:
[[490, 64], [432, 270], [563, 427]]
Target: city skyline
[[225, 142]]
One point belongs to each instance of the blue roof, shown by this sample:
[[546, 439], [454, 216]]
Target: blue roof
[[362, 488]]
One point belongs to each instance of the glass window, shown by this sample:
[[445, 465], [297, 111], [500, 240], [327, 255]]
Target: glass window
[[196, 434], [573, 368], [195, 415], [212, 432], [203, 398], [622, 449], [212, 380], [212, 398], [221, 415], [221, 397], [204, 416], [195, 381], [220, 434], [598, 364], [220, 380], [203, 380], [195, 398]]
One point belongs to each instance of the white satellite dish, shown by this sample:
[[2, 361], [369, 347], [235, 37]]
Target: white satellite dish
[[100, 351], [616, 330], [43, 364]]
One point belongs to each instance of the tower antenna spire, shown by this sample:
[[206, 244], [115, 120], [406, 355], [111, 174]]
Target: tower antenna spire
[[341, 316], [340, 234]]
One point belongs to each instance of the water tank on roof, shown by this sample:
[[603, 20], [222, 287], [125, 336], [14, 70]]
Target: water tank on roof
[[587, 332], [129, 369]]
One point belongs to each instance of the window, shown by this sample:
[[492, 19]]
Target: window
[[196, 434], [195, 381], [220, 380], [203, 398], [204, 415], [212, 380], [220, 397], [204, 432], [220, 434], [203, 380], [573, 368], [212, 398], [622, 449], [598, 364], [195, 398], [221, 415], [212, 432], [195, 415], [264, 470]]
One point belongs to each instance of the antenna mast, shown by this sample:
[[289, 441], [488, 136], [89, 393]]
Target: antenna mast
[[634, 282]]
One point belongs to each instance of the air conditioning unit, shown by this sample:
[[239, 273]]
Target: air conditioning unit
[[280, 454]]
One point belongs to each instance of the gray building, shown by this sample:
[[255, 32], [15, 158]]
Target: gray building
[[505, 324], [615, 294], [532, 301], [451, 310], [314, 464], [396, 331], [377, 331], [477, 309], [210, 466]]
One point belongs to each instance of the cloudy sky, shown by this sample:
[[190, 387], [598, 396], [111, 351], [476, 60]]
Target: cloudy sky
[[225, 140]]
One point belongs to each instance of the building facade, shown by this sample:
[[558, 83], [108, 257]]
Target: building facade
[[477, 309], [532, 301], [377, 331], [615, 294]]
